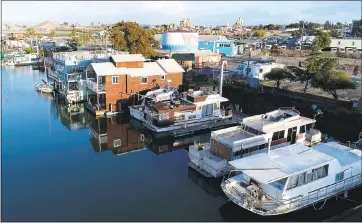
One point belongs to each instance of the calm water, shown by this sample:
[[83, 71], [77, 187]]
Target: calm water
[[62, 167]]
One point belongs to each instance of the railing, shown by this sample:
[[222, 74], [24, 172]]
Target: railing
[[94, 87], [208, 168], [74, 77], [284, 206], [290, 108]]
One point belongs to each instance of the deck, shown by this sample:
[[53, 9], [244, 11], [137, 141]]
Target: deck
[[202, 128]]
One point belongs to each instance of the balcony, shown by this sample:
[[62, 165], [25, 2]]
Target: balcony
[[74, 77], [98, 88]]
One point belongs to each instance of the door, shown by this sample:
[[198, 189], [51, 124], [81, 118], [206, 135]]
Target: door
[[207, 110], [294, 135]]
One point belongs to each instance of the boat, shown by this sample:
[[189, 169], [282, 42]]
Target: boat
[[45, 88], [281, 127], [166, 109], [293, 177]]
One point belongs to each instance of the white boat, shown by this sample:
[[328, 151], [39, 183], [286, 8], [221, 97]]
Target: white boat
[[283, 127], [45, 88], [294, 177], [10, 63], [164, 110]]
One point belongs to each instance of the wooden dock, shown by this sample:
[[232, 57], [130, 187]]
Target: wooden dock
[[203, 128]]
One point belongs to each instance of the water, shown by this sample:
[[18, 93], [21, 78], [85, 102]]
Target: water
[[54, 169]]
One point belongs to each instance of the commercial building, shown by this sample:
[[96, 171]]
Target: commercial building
[[218, 44], [110, 84], [346, 45]]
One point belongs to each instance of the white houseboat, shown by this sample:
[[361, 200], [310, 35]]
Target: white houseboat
[[283, 127], [165, 109], [294, 177]]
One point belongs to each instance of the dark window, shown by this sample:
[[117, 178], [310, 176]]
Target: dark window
[[302, 129], [245, 151], [278, 135], [238, 153], [309, 126]]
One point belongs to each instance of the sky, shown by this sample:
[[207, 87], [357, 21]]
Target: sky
[[166, 12]]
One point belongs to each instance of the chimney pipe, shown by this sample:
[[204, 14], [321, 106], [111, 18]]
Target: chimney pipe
[[222, 76], [269, 143]]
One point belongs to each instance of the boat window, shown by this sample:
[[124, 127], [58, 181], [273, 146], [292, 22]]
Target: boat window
[[320, 172], [279, 184], [309, 177], [278, 135], [302, 179], [144, 80], [302, 129], [309, 126], [339, 176], [237, 153], [245, 151], [293, 182]]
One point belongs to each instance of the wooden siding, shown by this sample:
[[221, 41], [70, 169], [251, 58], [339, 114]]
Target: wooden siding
[[130, 139], [130, 64]]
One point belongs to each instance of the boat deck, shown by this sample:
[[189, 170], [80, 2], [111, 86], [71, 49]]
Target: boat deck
[[204, 127]]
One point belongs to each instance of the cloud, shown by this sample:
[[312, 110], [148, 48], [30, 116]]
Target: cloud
[[165, 12]]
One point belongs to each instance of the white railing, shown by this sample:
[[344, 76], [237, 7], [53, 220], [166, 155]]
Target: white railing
[[94, 87], [274, 207]]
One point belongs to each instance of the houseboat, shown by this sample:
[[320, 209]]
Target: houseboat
[[294, 177], [176, 111], [282, 127]]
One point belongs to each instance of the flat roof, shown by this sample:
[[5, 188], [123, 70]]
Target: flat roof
[[344, 154], [281, 162], [214, 98]]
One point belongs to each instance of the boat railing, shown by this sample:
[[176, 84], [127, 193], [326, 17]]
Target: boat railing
[[291, 109]]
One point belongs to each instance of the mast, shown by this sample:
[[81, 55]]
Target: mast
[[222, 76]]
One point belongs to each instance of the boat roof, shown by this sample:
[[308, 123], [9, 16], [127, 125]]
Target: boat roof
[[343, 154], [212, 98], [236, 135], [277, 120], [281, 162]]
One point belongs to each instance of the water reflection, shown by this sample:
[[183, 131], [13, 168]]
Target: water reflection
[[210, 185], [114, 134], [74, 117]]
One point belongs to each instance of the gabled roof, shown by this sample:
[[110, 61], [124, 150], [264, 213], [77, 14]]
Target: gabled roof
[[170, 66], [281, 162], [107, 68], [128, 58], [149, 69]]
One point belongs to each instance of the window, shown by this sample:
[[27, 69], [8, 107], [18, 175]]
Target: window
[[260, 70], [142, 137], [191, 117], [308, 127], [115, 79], [279, 183], [302, 179], [144, 80], [339, 42], [339, 176], [320, 172], [163, 77], [278, 135], [116, 143], [352, 43], [237, 153], [302, 129], [293, 182]]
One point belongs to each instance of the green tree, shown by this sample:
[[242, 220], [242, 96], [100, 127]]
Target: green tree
[[335, 33], [329, 80], [74, 37], [278, 75], [302, 75], [259, 33], [52, 33], [296, 33], [29, 50], [323, 40], [131, 37], [339, 25], [30, 31]]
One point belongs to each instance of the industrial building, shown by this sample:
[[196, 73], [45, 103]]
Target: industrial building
[[218, 44], [346, 45]]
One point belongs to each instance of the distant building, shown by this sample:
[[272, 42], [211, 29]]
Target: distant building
[[350, 44], [355, 26], [218, 44], [186, 23]]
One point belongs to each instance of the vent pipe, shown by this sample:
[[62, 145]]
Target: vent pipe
[[269, 144]]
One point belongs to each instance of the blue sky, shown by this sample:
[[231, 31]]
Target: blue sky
[[165, 12]]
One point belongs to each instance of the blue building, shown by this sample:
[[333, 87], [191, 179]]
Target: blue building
[[218, 44]]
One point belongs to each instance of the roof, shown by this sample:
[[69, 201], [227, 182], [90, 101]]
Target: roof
[[213, 38], [345, 155], [212, 99], [170, 66], [281, 162], [149, 69], [128, 58], [107, 68]]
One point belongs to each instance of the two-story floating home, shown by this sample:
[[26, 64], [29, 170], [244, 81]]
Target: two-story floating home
[[110, 84], [69, 71], [279, 128], [294, 177]]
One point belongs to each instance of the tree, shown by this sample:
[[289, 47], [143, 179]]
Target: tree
[[278, 75], [52, 33], [330, 80], [30, 31], [302, 75], [323, 40], [259, 33], [131, 37], [296, 33], [335, 33], [29, 50], [339, 25]]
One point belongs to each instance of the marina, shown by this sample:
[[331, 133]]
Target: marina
[[75, 150]]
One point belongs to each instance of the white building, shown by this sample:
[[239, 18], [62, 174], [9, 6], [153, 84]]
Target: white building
[[352, 44], [257, 68]]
